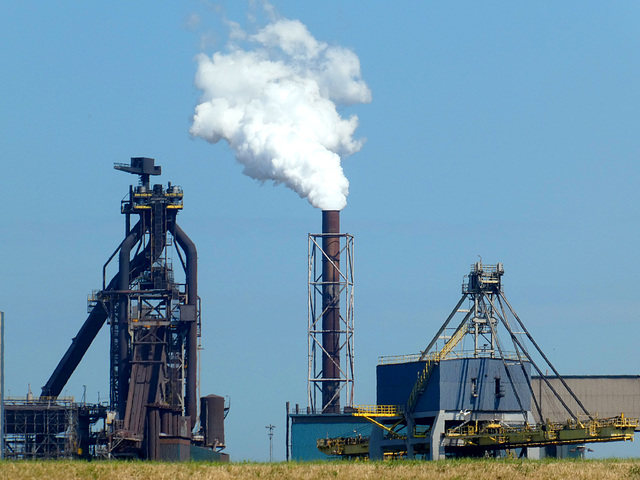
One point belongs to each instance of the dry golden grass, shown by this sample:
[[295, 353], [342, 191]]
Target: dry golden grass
[[447, 470]]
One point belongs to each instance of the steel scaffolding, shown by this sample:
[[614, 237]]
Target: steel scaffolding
[[41, 428], [342, 288]]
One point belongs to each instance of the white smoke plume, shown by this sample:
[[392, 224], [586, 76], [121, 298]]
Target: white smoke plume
[[275, 103]]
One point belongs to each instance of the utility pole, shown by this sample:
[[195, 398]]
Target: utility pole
[[270, 434], [286, 440]]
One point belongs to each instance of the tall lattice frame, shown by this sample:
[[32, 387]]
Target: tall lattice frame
[[346, 332]]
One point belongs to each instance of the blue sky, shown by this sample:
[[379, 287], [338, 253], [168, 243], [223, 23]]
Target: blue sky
[[502, 129]]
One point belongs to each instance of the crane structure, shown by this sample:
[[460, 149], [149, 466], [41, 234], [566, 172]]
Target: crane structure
[[469, 392]]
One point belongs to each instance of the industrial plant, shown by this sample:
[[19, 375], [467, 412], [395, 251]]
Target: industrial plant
[[470, 392], [480, 387], [155, 328]]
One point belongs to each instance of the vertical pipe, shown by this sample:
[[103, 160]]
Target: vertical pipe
[[331, 309], [204, 414], [128, 215], [191, 255], [123, 319], [165, 422], [153, 438], [286, 439]]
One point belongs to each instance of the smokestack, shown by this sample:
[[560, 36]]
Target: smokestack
[[331, 311]]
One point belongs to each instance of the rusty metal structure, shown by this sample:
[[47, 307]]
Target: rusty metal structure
[[155, 326], [52, 428], [331, 325]]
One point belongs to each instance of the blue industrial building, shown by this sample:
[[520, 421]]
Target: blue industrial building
[[458, 390], [306, 429], [477, 384]]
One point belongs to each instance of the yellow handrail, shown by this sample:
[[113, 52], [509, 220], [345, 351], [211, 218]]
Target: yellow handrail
[[377, 410]]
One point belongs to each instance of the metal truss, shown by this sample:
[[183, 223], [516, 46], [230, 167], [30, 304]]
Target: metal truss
[[488, 310], [40, 428], [316, 350]]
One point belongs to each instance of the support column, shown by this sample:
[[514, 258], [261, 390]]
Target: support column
[[436, 449]]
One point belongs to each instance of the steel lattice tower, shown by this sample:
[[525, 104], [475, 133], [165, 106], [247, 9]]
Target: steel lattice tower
[[331, 322]]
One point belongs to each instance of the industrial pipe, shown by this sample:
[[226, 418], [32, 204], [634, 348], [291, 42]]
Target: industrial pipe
[[79, 346], [124, 279], [81, 342], [331, 311], [191, 254]]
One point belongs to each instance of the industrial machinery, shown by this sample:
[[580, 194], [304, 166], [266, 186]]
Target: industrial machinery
[[155, 327], [474, 398]]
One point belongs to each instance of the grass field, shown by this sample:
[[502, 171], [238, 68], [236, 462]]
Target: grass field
[[447, 470]]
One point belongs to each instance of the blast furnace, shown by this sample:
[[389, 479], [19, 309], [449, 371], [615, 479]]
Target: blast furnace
[[155, 327]]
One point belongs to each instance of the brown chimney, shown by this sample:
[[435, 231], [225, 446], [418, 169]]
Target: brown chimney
[[331, 311]]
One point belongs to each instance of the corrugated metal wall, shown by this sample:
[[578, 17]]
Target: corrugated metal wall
[[457, 384], [606, 396], [492, 390]]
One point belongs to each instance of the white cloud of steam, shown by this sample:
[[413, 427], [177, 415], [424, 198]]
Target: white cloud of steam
[[275, 104]]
